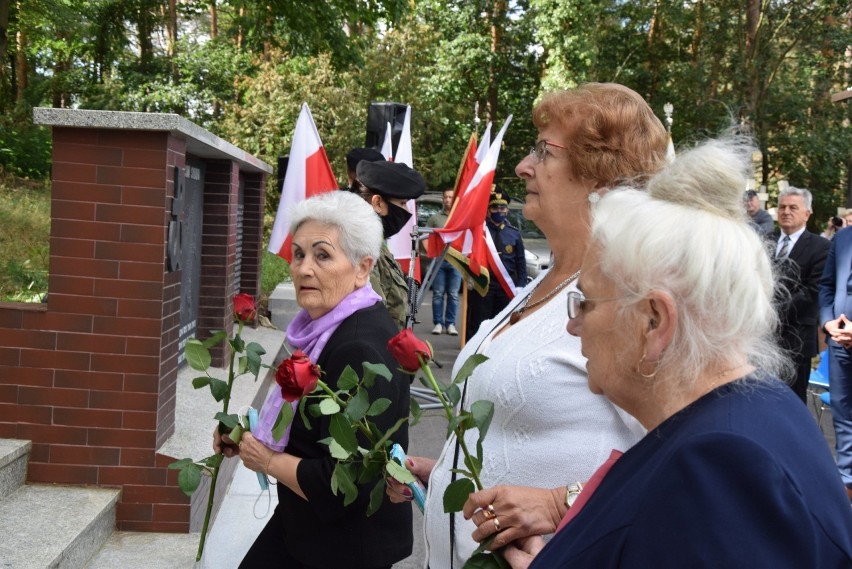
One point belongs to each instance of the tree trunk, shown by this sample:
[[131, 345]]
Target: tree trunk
[[695, 47], [4, 45], [20, 65], [214, 20], [751, 61], [498, 17], [654, 38], [171, 29]]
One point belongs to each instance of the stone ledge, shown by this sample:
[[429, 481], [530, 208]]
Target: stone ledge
[[199, 141]]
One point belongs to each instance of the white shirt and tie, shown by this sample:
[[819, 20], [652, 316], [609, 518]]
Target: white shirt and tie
[[787, 242]]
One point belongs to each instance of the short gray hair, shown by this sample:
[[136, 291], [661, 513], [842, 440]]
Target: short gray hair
[[806, 196], [688, 236], [358, 225]]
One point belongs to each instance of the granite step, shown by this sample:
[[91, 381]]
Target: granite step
[[53, 526]]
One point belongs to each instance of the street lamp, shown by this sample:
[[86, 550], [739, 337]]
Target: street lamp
[[668, 108]]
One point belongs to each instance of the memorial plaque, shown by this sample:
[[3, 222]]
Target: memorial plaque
[[191, 223]]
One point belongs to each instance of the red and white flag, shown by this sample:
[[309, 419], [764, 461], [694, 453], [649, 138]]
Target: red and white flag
[[400, 244], [308, 174], [470, 210]]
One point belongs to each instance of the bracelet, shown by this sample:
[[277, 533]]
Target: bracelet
[[266, 470]]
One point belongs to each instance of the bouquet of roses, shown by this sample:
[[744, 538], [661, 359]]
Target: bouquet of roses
[[350, 412]]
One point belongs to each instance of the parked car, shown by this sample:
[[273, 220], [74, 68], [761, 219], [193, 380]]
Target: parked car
[[536, 248]]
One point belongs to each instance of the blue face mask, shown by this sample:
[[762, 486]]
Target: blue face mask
[[498, 217]]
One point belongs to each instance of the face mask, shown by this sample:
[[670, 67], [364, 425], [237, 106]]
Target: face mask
[[395, 220], [498, 217]]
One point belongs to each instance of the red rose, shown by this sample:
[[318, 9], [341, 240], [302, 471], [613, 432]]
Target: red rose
[[244, 307], [297, 376], [405, 347]]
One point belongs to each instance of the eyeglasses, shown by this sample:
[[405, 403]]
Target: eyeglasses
[[577, 302], [540, 149]]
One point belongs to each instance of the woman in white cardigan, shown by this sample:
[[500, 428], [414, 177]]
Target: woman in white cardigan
[[547, 427]]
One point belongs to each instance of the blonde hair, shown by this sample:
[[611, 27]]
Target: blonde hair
[[612, 134]]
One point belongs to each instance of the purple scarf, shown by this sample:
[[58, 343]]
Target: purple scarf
[[310, 336]]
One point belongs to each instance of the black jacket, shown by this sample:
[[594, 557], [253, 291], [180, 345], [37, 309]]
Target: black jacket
[[800, 273], [321, 532]]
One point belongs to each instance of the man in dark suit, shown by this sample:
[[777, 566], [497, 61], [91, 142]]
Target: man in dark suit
[[835, 311], [801, 257]]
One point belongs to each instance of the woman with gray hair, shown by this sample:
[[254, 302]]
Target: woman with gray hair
[[677, 322], [336, 238]]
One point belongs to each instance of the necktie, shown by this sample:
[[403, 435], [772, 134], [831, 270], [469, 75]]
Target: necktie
[[785, 247]]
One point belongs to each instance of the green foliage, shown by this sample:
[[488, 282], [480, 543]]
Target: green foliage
[[274, 270], [24, 148], [443, 57], [24, 239]]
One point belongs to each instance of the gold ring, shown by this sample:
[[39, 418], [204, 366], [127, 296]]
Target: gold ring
[[496, 524], [488, 512]]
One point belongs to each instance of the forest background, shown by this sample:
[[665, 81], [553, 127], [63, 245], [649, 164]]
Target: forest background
[[242, 68]]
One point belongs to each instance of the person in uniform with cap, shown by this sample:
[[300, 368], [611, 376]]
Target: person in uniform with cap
[[510, 246], [356, 155], [387, 186]]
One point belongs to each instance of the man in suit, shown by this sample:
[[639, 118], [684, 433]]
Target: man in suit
[[801, 256], [835, 303]]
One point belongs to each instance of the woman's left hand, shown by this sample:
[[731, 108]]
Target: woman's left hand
[[254, 454], [514, 512], [521, 553]]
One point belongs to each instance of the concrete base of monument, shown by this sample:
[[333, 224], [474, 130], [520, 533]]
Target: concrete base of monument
[[282, 305]]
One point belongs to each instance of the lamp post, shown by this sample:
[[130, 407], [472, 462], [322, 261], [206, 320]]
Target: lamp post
[[668, 108]]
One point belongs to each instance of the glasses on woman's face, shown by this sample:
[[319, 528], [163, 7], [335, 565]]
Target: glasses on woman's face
[[540, 149], [577, 302]]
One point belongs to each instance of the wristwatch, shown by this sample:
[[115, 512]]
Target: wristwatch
[[571, 493]]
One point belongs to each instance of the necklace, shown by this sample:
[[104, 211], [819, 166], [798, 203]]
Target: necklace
[[519, 312]]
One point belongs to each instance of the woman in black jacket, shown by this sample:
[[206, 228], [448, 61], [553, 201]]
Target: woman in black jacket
[[336, 239]]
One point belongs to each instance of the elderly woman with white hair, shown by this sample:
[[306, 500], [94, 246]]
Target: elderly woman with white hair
[[675, 314], [336, 238]]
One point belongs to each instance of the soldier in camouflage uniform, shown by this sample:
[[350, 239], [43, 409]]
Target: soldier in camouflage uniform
[[387, 186]]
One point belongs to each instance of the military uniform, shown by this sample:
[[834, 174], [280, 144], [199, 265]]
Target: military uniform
[[388, 280], [510, 246], [390, 180]]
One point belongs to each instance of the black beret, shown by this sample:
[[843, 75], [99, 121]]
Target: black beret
[[357, 154], [391, 179], [498, 196]]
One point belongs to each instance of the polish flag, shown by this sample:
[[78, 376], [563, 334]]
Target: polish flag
[[467, 169], [470, 210], [308, 174], [400, 244]]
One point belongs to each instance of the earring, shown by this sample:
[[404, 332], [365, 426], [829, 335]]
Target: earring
[[639, 365], [594, 198]]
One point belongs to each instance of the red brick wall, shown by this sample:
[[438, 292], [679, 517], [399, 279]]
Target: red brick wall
[[90, 376]]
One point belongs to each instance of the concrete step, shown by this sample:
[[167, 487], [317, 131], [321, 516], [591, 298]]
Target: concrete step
[[45, 526], [14, 455]]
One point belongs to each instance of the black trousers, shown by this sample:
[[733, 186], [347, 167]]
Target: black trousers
[[481, 308], [269, 552]]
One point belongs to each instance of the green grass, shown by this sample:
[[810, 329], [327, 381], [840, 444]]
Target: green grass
[[24, 239]]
